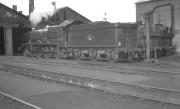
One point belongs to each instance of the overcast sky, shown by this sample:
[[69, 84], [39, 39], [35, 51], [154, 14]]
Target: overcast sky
[[117, 10]]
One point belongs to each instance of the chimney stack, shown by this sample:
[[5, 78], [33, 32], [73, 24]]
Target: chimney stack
[[54, 5], [31, 6], [14, 7]]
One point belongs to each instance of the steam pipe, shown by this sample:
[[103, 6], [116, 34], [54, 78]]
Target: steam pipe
[[172, 13]]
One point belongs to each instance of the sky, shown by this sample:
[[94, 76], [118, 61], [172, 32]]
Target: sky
[[116, 10]]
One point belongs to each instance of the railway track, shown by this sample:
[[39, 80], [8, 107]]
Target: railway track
[[160, 63], [103, 66], [13, 102], [170, 99], [167, 62]]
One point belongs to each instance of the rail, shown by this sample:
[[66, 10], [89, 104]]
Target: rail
[[111, 67], [26, 105]]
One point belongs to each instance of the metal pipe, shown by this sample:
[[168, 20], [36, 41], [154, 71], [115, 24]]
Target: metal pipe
[[172, 13]]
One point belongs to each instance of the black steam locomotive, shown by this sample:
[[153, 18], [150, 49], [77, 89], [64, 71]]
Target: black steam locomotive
[[97, 41]]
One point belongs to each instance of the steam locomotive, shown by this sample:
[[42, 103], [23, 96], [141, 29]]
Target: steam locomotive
[[98, 41]]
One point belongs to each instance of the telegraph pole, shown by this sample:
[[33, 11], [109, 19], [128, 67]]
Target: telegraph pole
[[147, 27]]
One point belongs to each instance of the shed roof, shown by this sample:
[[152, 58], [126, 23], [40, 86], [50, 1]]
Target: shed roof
[[61, 15], [8, 15], [148, 1], [86, 20], [12, 10]]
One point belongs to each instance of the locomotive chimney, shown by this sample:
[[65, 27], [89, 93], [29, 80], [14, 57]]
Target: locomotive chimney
[[31, 6]]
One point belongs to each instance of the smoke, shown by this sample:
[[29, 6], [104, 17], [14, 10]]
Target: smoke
[[41, 12]]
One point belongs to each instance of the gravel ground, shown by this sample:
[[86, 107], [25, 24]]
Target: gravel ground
[[58, 96], [91, 73], [20, 86], [53, 96]]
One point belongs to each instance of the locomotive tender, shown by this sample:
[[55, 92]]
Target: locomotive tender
[[97, 41]]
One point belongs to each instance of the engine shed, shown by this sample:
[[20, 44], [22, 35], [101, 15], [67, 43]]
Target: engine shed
[[13, 26]]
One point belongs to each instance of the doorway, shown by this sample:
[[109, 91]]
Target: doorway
[[2, 46], [18, 37], [17, 40]]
